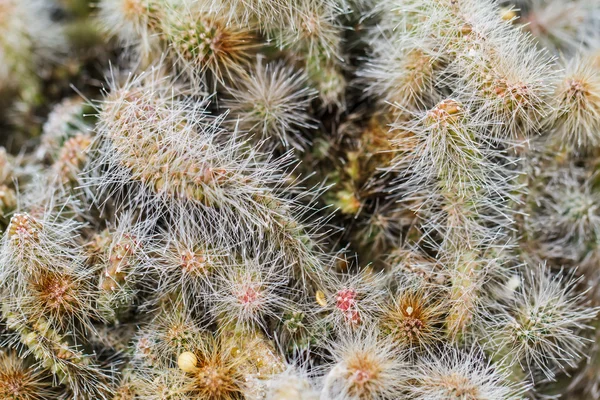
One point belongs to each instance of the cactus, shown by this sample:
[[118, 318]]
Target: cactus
[[299, 199]]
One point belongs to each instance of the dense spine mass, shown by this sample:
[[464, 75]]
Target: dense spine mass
[[299, 199]]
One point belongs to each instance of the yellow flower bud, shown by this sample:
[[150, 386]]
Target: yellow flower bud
[[187, 361], [320, 297]]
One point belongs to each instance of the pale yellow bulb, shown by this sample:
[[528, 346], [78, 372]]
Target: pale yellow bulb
[[320, 297], [508, 13], [187, 361]]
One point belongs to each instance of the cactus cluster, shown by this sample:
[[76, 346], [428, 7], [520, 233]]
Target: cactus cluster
[[299, 199]]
